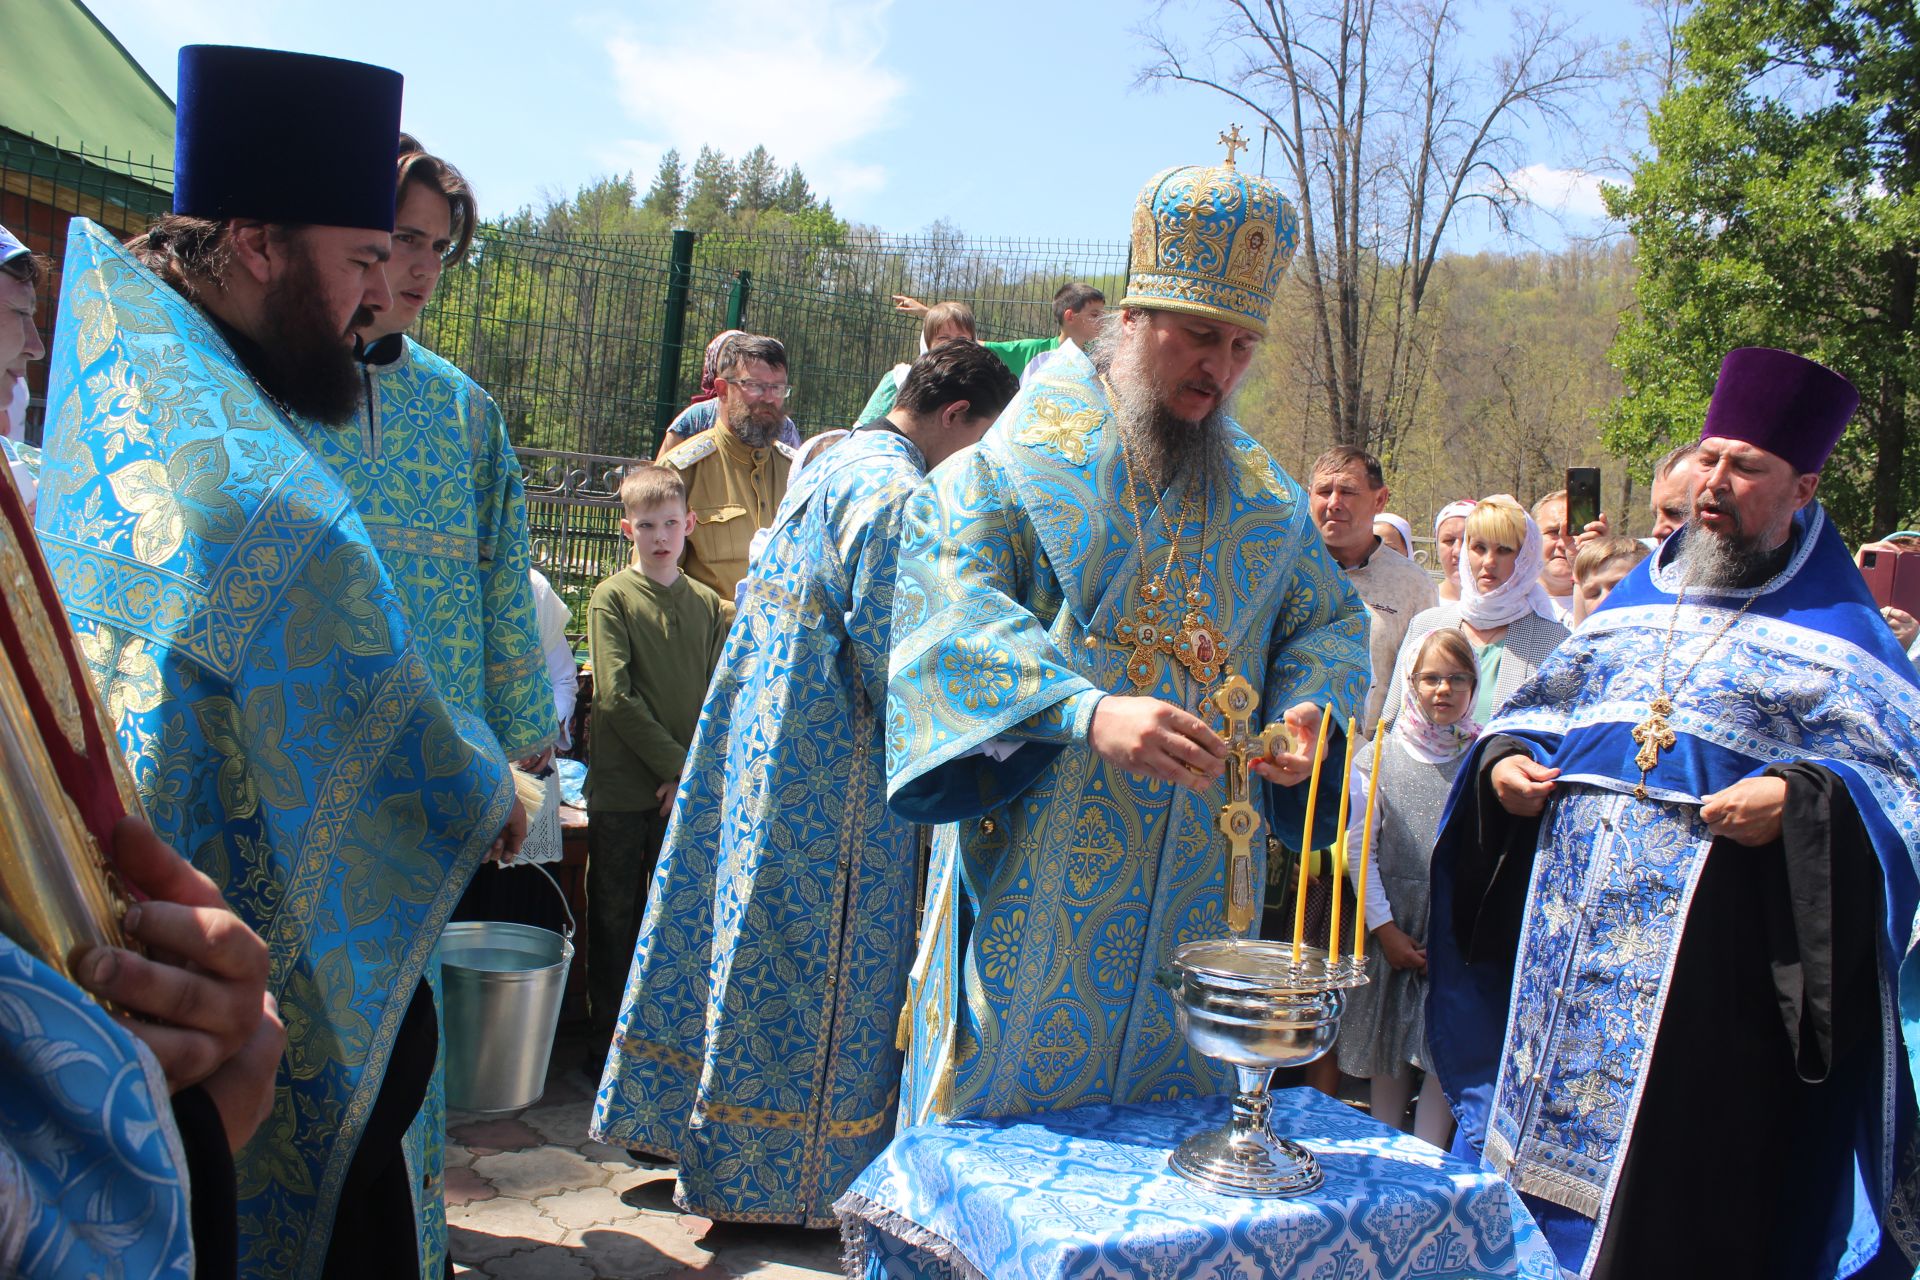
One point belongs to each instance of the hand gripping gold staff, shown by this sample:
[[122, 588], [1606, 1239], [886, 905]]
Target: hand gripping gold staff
[[1239, 821]]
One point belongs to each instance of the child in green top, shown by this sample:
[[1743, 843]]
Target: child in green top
[[654, 636]]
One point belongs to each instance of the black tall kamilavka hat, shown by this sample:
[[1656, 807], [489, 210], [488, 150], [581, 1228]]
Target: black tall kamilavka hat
[[285, 137]]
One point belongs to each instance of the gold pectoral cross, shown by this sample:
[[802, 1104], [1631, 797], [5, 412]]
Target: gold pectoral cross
[[1654, 735], [1239, 821], [1149, 634]]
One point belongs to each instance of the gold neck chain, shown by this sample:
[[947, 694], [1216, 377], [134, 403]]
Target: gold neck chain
[[1655, 734], [1151, 632]]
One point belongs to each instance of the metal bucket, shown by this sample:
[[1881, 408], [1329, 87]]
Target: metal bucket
[[502, 985]]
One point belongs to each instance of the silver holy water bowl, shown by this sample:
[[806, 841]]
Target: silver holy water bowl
[[1245, 1002]]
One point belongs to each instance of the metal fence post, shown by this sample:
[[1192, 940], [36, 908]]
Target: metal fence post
[[737, 299], [673, 332]]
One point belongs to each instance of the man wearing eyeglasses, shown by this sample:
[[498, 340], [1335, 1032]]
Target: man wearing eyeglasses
[[736, 470]]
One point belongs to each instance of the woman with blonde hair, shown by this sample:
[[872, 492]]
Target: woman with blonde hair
[[1504, 612]]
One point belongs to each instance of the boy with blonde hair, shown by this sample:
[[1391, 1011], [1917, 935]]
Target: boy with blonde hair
[[653, 636], [1598, 568]]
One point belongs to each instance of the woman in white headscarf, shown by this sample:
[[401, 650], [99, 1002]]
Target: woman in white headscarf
[[1395, 532], [1449, 535], [1503, 610]]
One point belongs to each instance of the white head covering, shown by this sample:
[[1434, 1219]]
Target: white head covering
[[1398, 522], [1426, 741], [1462, 509], [1519, 595]]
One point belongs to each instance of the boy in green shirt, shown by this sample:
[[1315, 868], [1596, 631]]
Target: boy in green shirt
[[654, 636]]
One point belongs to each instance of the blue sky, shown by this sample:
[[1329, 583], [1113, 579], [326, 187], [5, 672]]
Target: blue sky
[[1004, 117]]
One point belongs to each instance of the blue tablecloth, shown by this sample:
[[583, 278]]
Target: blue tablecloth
[[1087, 1194]]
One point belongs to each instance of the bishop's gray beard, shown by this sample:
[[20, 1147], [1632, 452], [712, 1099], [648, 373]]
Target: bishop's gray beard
[[1714, 561], [1164, 447]]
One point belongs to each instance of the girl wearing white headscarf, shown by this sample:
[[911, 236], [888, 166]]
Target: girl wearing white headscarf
[[1503, 610], [1449, 535]]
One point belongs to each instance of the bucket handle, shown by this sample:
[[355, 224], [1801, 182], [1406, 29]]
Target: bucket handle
[[563, 897]]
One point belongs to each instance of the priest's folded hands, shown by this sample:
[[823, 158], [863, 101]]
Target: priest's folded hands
[[1747, 813]]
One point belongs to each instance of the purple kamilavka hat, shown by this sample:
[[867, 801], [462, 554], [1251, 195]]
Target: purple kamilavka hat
[[1791, 406]]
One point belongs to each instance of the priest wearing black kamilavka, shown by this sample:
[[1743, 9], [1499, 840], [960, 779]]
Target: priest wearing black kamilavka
[[1674, 892]]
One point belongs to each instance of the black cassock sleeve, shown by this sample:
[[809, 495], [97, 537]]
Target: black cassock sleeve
[[210, 1185], [1494, 869]]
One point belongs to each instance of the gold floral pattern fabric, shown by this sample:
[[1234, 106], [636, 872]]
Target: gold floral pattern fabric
[[756, 1041], [1060, 883], [285, 730]]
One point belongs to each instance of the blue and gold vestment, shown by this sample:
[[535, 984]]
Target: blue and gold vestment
[[284, 729], [756, 1039], [93, 1179], [435, 481], [1064, 882], [1547, 1060]]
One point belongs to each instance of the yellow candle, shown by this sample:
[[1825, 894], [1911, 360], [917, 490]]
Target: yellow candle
[[1340, 844], [1306, 838], [1366, 845]]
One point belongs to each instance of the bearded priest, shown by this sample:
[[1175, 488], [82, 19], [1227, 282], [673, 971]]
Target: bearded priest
[[1070, 592], [1673, 898]]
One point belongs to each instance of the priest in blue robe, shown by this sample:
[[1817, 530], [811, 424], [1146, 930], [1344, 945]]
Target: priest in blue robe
[[435, 481], [1674, 989], [756, 1041], [1071, 591], [285, 730]]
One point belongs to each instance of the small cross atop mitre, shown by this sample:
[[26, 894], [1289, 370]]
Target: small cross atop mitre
[[1233, 141]]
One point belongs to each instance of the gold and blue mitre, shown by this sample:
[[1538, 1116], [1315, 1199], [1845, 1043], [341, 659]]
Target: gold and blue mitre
[[1211, 240]]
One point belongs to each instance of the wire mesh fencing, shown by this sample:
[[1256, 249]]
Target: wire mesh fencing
[[587, 342]]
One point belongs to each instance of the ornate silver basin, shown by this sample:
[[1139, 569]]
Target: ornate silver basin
[[1244, 1002]]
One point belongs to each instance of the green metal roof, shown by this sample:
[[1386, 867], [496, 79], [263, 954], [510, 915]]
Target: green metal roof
[[65, 80]]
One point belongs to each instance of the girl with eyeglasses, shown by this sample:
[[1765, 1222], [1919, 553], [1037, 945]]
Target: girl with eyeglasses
[[1383, 1035]]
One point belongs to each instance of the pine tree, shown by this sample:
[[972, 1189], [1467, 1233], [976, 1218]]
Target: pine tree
[[759, 181], [795, 195], [714, 184], [669, 190]]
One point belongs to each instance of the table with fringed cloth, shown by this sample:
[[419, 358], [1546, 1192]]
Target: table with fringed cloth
[[1087, 1194]]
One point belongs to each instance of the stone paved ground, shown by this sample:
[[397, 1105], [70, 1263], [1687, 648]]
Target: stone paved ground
[[530, 1195]]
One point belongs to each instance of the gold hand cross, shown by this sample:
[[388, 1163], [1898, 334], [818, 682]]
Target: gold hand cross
[[1239, 821]]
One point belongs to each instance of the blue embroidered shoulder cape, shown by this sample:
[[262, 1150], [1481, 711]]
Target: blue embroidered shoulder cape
[[284, 730], [1809, 673], [1064, 882]]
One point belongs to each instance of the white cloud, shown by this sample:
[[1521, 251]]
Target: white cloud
[[1560, 191], [801, 77]]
